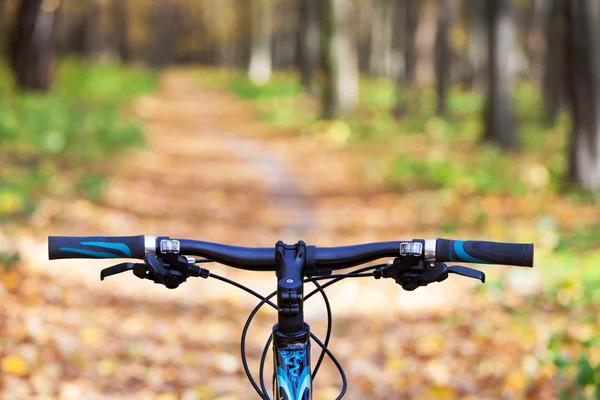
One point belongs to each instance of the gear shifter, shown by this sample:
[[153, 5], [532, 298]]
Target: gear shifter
[[410, 277], [170, 270]]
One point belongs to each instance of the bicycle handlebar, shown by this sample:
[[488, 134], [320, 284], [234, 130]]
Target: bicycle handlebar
[[263, 259], [475, 251]]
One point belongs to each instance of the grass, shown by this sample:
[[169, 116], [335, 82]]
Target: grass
[[49, 141]]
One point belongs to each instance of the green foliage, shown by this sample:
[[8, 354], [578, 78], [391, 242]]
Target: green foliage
[[581, 239], [49, 140], [485, 170], [278, 87]]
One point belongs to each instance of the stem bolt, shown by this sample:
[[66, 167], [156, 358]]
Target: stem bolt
[[290, 281]]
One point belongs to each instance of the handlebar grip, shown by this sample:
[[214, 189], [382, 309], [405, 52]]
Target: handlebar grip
[[96, 247], [476, 251]]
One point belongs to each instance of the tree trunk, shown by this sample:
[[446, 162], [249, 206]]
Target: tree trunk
[[408, 11], [121, 33], [243, 34], [32, 50], [285, 36], [261, 59], [163, 50], [381, 39], [477, 44], [411, 19], [499, 116], [442, 55], [340, 94], [583, 83], [537, 35], [92, 30], [554, 71], [308, 41]]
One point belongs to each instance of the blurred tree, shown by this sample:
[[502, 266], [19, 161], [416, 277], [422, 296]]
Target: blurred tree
[[308, 41], [553, 81], [536, 36], [583, 86], [499, 115], [261, 58], [2, 7], [285, 35], [340, 94], [31, 48], [92, 29], [407, 15], [121, 32], [442, 54], [164, 42], [380, 58], [477, 43], [243, 24]]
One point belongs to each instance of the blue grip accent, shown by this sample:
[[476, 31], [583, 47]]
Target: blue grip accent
[[459, 249], [91, 253], [115, 246], [96, 247]]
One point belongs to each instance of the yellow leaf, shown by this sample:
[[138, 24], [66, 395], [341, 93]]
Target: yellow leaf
[[167, 396], [107, 367], [516, 381], [440, 392], [10, 203], [91, 335], [14, 365]]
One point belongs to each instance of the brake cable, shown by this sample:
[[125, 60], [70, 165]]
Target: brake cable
[[324, 350]]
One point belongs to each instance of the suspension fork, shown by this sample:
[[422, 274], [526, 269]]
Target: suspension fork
[[291, 335]]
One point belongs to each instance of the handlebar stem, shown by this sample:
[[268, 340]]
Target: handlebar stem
[[290, 263]]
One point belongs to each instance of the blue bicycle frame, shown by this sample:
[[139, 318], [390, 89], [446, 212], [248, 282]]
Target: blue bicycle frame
[[291, 366]]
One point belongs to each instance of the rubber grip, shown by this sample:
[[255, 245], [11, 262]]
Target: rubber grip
[[96, 247], [476, 251]]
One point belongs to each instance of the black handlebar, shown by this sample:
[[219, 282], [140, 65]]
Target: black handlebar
[[263, 259], [475, 251], [95, 247]]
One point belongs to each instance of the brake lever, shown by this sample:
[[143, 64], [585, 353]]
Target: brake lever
[[467, 272], [154, 269], [116, 269], [419, 276]]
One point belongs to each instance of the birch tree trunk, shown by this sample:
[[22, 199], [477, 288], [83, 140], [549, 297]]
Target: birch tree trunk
[[261, 59]]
